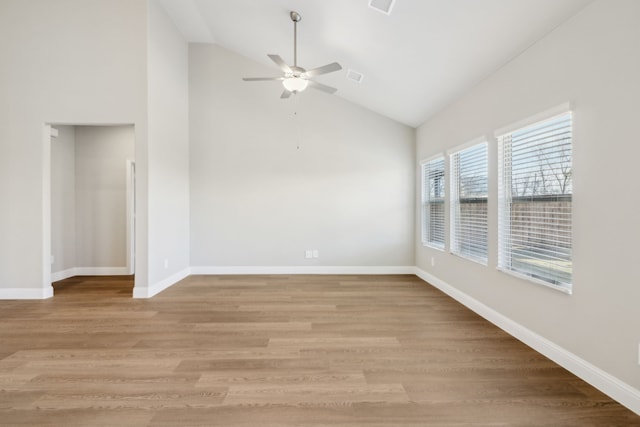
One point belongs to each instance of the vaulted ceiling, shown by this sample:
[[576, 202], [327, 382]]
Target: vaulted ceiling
[[415, 60]]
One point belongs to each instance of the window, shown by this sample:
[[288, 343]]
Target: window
[[469, 202], [433, 203], [535, 187]]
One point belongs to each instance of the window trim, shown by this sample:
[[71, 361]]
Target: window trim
[[482, 140], [550, 114], [426, 243], [468, 144]]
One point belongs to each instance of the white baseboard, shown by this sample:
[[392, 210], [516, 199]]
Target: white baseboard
[[26, 293], [89, 271], [101, 271], [148, 292], [64, 274], [608, 384], [364, 270]]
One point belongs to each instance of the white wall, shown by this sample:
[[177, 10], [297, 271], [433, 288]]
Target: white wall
[[168, 99], [593, 62], [265, 186], [63, 199], [101, 195], [68, 61]]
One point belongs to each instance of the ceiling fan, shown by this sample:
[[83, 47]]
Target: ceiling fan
[[296, 79]]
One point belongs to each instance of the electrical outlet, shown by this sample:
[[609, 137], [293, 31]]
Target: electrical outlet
[[433, 262], [308, 253], [315, 253], [166, 263]]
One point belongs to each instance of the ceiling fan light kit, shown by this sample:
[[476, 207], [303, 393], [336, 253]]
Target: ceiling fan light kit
[[296, 79], [295, 84]]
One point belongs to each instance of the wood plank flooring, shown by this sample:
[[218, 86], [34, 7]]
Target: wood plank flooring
[[277, 351]]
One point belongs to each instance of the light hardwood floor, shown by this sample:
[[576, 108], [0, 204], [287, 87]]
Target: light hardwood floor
[[277, 351]]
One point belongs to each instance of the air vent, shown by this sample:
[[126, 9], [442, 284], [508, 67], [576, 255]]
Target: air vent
[[383, 6], [355, 76]]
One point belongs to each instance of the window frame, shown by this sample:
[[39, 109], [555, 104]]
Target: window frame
[[506, 198], [425, 220], [455, 200]]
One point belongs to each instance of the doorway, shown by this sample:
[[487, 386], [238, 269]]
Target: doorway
[[92, 200]]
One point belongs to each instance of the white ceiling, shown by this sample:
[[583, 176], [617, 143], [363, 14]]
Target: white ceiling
[[415, 61]]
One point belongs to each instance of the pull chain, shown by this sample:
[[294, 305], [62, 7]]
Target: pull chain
[[295, 118]]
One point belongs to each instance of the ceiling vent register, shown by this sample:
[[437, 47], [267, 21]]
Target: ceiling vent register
[[355, 76], [383, 6]]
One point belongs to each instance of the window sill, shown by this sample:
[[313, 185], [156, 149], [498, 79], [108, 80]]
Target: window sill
[[433, 246], [563, 289], [483, 262]]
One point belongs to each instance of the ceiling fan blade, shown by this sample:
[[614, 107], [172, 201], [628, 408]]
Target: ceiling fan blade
[[261, 79], [285, 94], [321, 87], [325, 69], [280, 63]]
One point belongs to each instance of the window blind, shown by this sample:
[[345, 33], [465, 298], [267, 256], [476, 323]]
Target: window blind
[[535, 191], [433, 203], [469, 202]]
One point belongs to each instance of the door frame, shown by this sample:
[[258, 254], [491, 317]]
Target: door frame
[[48, 133], [131, 216]]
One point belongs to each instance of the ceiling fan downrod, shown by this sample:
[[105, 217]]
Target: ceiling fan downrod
[[295, 17]]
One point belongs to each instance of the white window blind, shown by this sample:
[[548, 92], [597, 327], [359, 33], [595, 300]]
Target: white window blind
[[433, 203], [535, 188], [469, 202]]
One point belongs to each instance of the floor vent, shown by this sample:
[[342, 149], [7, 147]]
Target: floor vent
[[383, 6]]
